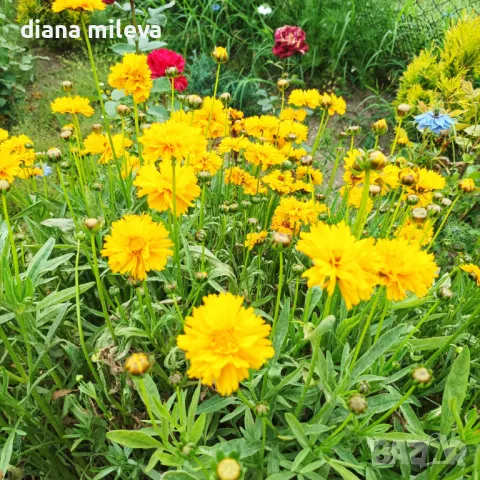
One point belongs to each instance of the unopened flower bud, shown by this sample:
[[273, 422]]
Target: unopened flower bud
[[437, 197], [97, 186], [220, 55], [80, 236], [201, 277], [320, 197], [403, 109], [66, 134], [363, 387], [298, 269], [194, 102], [252, 221], [262, 409], [224, 208], [54, 154], [170, 287], [123, 110], [446, 202], [434, 210], [281, 240], [357, 404], [306, 160], [171, 72], [67, 85], [380, 127], [422, 376], [225, 98], [445, 293], [374, 190], [137, 364], [233, 208], [200, 235], [228, 468], [419, 214], [353, 130], [4, 186], [408, 177], [256, 200], [377, 160], [282, 84], [91, 223], [175, 379], [204, 176], [287, 165], [246, 204], [412, 199], [114, 291], [97, 127], [467, 185]]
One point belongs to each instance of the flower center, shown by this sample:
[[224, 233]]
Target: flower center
[[136, 245], [224, 342]]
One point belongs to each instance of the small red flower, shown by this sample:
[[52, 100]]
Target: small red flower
[[161, 59], [108, 2], [288, 41]]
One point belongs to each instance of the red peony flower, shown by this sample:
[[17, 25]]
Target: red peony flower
[[288, 41], [108, 2], [161, 59]]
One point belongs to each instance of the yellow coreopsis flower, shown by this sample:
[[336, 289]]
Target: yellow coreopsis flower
[[264, 127], [291, 214], [158, 186], [133, 76], [473, 271], [3, 135], [415, 233], [313, 175], [293, 131], [223, 340], [231, 144], [305, 98], [279, 181], [137, 245], [264, 154], [428, 182], [206, 162], [404, 268], [9, 166], [99, 144], [130, 165], [85, 5], [292, 114], [337, 105], [172, 139], [212, 118], [74, 105], [340, 259], [255, 238]]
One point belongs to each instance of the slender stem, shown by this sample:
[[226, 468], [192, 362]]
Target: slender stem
[[394, 146], [360, 220], [311, 370], [10, 236], [100, 287], [279, 293], [79, 320]]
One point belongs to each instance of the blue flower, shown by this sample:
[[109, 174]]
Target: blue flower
[[46, 171], [216, 7], [434, 121]]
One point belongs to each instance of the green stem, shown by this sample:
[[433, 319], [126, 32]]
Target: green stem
[[360, 220], [10, 236]]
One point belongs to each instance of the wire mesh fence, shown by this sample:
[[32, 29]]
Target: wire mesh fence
[[418, 23]]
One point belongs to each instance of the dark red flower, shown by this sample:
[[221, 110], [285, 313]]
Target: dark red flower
[[108, 2], [288, 41], [161, 59]]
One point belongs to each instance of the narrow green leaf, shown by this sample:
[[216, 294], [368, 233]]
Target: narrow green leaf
[[281, 330], [455, 387], [133, 439], [297, 430], [62, 296]]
